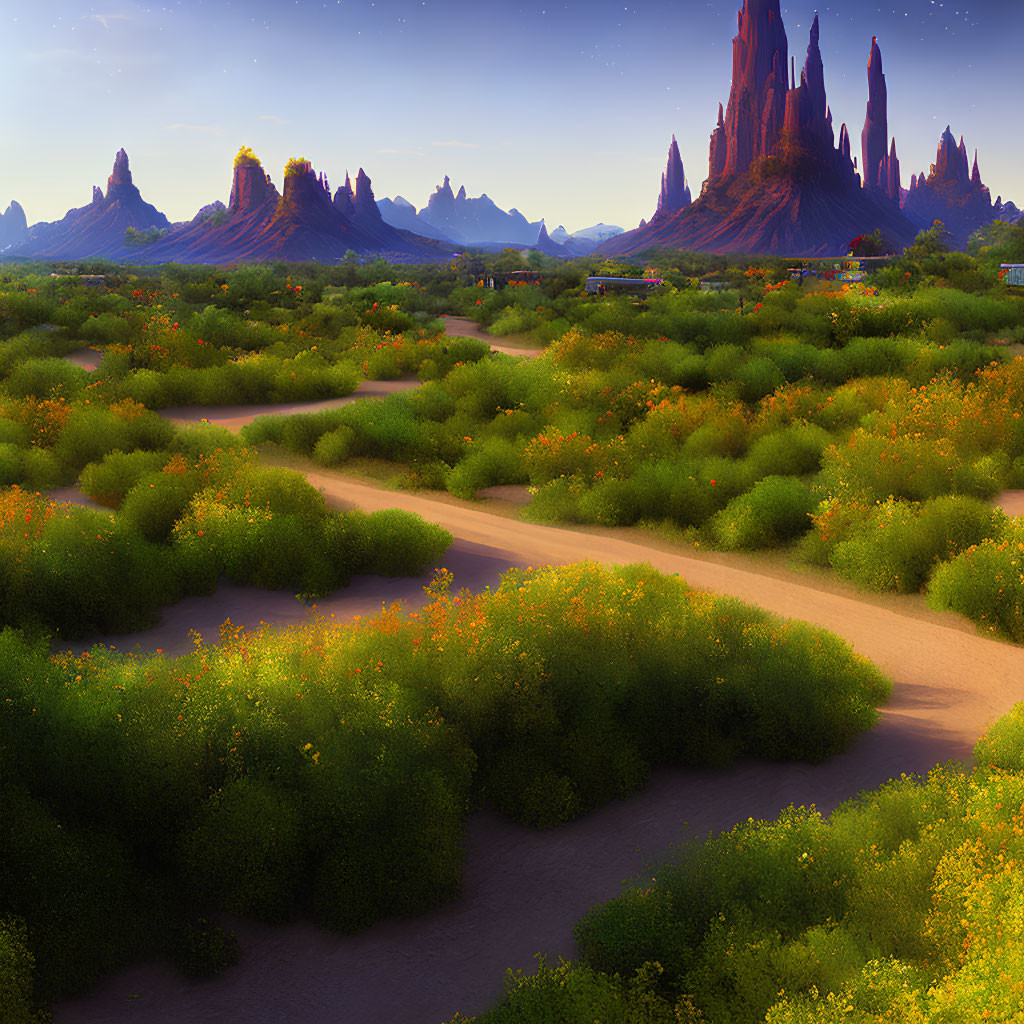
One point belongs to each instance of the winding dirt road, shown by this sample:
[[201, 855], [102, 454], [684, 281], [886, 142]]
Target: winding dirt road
[[523, 890], [463, 327]]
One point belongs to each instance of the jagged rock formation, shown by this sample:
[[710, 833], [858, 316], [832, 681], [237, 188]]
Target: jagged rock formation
[[952, 192], [344, 198], [777, 182], [13, 225], [99, 228], [880, 167], [545, 245], [675, 193], [757, 100], [461, 219], [302, 223]]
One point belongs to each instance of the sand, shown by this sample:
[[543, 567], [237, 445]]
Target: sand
[[523, 889], [87, 358], [1011, 502]]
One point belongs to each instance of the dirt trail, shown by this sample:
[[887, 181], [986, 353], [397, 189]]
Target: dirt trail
[[463, 327], [87, 358], [234, 417], [523, 889]]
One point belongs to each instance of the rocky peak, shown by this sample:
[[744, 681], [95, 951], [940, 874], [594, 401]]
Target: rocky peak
[[13, 225], [343, 197], [461, 197], [889, 175], [757, 100], [814, 73], [250, 185], [675, 194], [97, 194], [948, 166], [874, 139], [719, 147], [121, 176], [975, 173], [303, 194], [364, 202]]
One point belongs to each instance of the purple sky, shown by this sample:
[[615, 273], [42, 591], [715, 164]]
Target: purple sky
[[564, 111]]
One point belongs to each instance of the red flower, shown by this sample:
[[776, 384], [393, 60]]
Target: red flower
[[713, 483]]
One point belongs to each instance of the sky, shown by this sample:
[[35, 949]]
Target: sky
[[562, 110]]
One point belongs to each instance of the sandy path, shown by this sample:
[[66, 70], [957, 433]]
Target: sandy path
[[463, 327], [524, 890], [234, 417], [87, 358], [1011, 502]]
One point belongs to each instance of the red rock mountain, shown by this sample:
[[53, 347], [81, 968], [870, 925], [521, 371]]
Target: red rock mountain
[[99, 228], [259, 223], [777, 181], [951, 192]]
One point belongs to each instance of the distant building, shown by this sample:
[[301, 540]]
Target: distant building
[[1012, 274], [502, 279], [714, 283], [622, 285], [844, 268]]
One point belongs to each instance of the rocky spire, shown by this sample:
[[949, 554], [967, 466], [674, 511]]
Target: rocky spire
[[343, 197], [757, 100], [947, 160], [875, 137], [719, 147], [814, 73], [121, 175], [889, 176], [364, 202], [975, 173], [844, 142], [675, 194], [461, 197], [250, 186], [97, 194]]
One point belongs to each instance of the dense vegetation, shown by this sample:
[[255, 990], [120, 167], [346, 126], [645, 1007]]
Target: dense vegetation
[[329, 771], [330, 768], [903, 906]]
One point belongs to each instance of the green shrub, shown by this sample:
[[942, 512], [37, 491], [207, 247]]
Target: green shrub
[[984, 584], [47, 378], [794, 450], [401, 543], [109, 480], [774, 510], [333, 448], [156, 503], [205, 949], [17, 966], [12, 465], [204, 439], [899, 545], [758, 377], [245, 850], [491, 461]]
